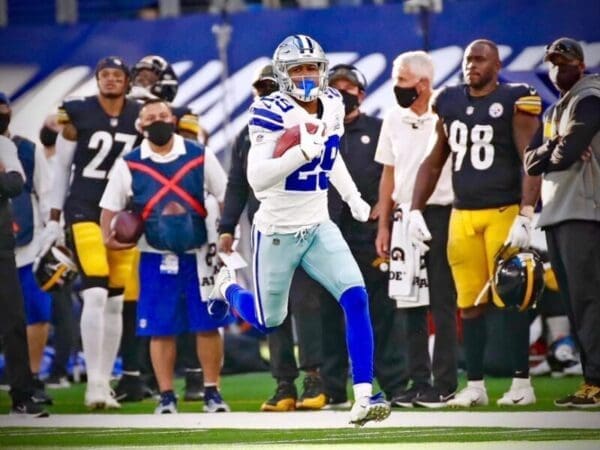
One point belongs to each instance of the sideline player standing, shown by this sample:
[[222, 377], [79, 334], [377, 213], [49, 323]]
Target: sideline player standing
[[486, 127], [97, 130], [292, 226]]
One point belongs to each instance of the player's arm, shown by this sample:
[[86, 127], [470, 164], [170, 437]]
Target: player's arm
[[264, 171], [562, 152], [61, 169], [344, 184], [114, 199], [42, 182], [526, 123], [431, 167], [12, 175], [386, 204], [215, 176]]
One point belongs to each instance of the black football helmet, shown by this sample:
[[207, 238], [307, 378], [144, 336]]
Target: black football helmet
[[55, 269], [167, 84], [518, 281]]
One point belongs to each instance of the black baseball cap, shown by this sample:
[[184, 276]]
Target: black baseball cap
[[567, 47], [265, 74], [350, 73]]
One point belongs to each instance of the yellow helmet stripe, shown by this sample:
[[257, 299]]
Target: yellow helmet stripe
[[54, 278], [529, 289]]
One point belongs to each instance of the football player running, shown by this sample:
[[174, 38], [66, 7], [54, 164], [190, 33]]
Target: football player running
[[292, 226], [485, 126], [97, 130]]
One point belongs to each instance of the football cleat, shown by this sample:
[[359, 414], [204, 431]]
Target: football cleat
[[130, 388], [520, 393], [586, 397], [95, 395], [284, 398], [367, 409], [472, 395], [313, 395]]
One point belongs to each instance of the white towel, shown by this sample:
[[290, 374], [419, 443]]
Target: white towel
[[206, 257], [408, 284]]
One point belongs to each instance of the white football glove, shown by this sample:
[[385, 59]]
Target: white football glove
[[312, 144], [51, 234], [418, 232], [520, 232], [359, 208]]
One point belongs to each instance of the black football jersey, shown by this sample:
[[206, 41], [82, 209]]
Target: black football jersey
[[486, 164], [101, 139]]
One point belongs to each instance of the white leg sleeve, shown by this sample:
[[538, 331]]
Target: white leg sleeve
[[92, 330], [113, 329]]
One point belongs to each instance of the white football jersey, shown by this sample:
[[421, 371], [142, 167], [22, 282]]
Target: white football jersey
[[299, 199]]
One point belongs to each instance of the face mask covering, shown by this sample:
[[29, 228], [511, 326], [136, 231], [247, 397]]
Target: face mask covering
[[4, 121], [159, 132], [48, 136], [405, 96], [350, 102], [564, 76]]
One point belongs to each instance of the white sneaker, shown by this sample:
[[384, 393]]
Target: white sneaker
[[366, 409], [520, 393], [95, 395], [110, 402], [472, 395], [225, 277]]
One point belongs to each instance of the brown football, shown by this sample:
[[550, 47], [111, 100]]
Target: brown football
[[128, 227], [290, 138]]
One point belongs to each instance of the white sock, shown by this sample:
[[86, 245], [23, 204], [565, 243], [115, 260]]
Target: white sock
[[113, 329], [362, 390], [476, 384], [558, 327], [518, 383], [92, 330]]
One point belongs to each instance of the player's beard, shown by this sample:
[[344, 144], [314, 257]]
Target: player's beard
[[111, 95]]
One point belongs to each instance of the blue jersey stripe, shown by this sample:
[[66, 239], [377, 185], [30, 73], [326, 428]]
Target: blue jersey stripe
[[267, 114], [265, 124]]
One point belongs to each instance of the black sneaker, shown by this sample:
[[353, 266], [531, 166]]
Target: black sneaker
[[284, 398], [406, 398], [39, 393], [313, 393], [433, 398], [194, 386], [28, 409], [130, 388]]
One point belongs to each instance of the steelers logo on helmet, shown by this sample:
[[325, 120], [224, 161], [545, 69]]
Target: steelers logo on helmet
[[294, 51], [111, 62], [518, 281], [55, 269], [162, 83]]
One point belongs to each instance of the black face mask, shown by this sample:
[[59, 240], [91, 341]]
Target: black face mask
[[48, 136], [4, 121], [159, 132], [564, 76], [350, 102], [405, 96]]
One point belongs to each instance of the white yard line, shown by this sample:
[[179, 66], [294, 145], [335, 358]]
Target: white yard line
[[306, 420]]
